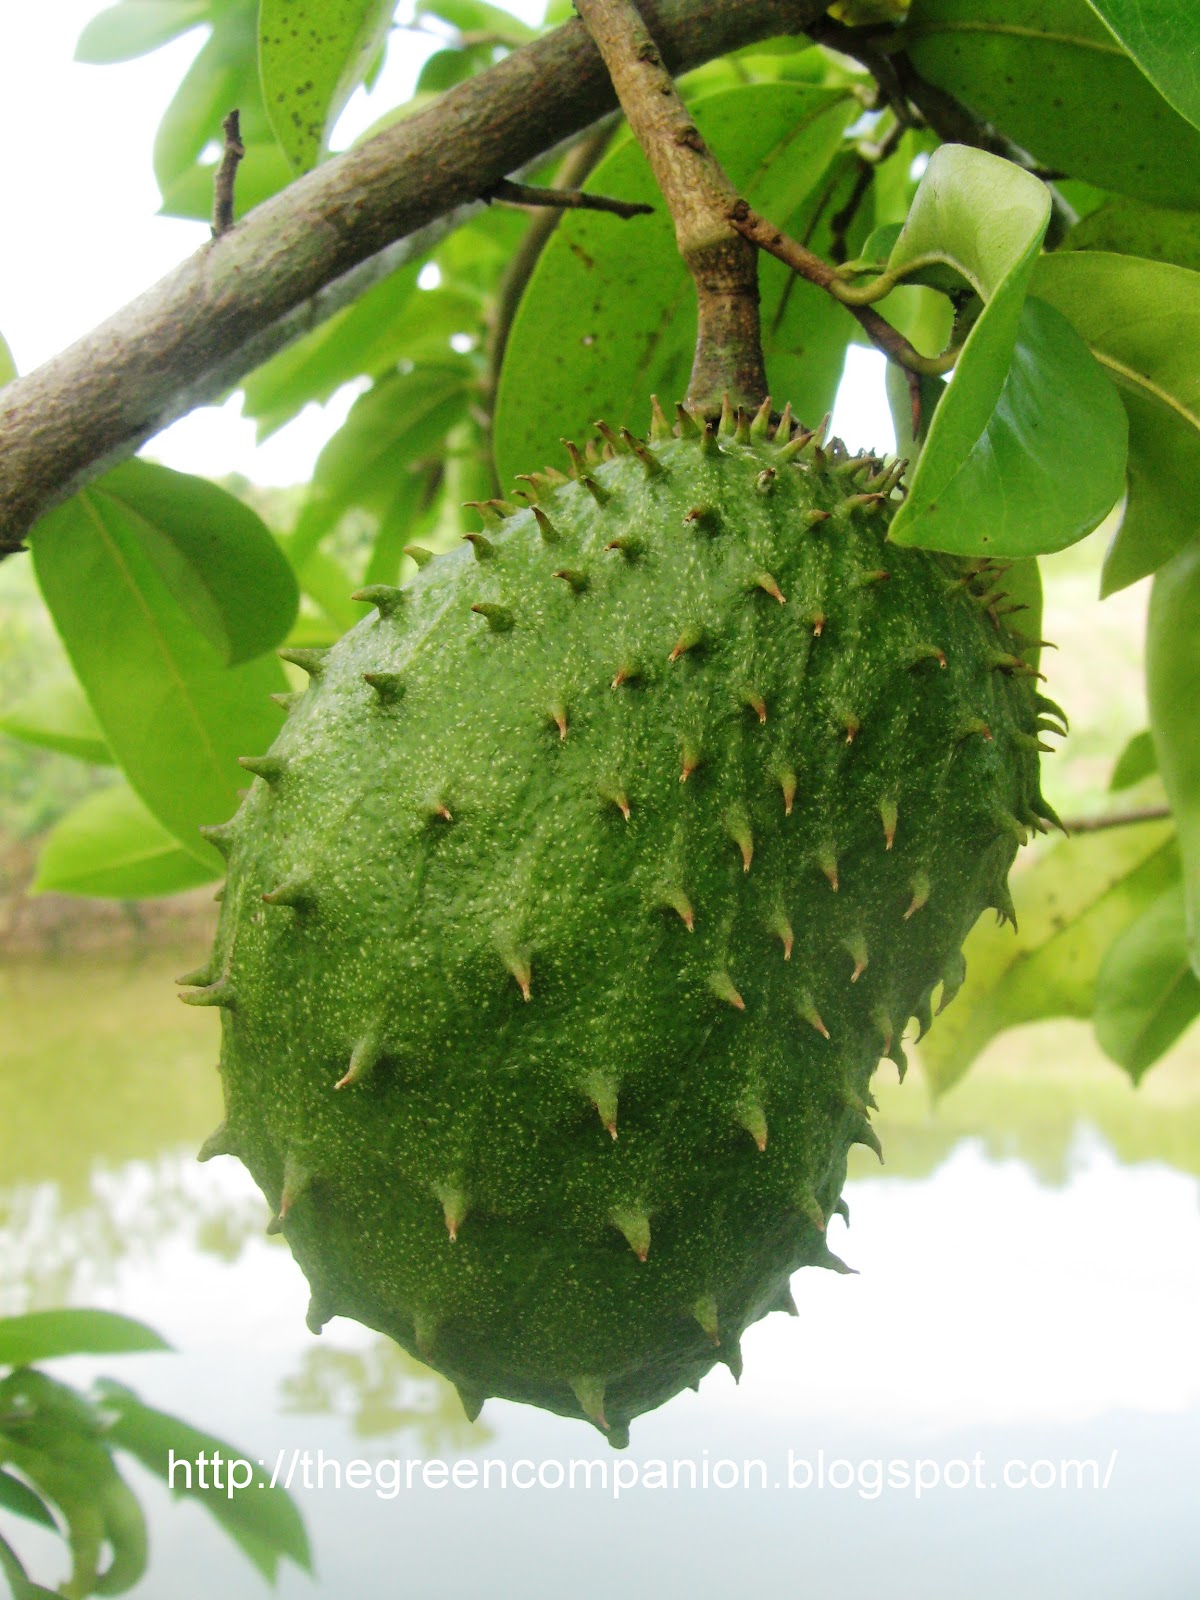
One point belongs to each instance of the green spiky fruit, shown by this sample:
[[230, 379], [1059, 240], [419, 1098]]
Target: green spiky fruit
[[591, 876]]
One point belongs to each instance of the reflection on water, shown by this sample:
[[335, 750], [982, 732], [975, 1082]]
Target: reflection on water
[[382, 1392], [1030, 1286]]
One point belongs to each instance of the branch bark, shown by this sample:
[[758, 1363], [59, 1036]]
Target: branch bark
[[193, 335], [728, 365]]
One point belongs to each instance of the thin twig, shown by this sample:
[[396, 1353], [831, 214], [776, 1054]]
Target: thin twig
[[723, 264], [227, 175], [529, 194], [802, 261], [1120, 819]]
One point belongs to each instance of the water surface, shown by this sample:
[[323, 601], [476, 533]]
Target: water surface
[[1028, 1294]]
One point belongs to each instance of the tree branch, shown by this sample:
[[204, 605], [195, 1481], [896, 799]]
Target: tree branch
[[238, 299], [724, 265]]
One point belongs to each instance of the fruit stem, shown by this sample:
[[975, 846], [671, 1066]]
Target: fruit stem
[[700, 198]]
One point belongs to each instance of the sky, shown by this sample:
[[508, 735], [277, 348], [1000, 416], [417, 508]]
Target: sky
[[81, 235]]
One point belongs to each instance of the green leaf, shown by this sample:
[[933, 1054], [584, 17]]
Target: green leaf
[[1142, 322], [1049, 75], [1146, 993], [54, 1437], [1049, 466], [136, 27], [404, 520], [214, 553], [18, 1580], [44, 1335], [1002, 470], [445, 68], [111, 846], [262, 1520], [173, 715], [1071, 903], [1136, 761], [325, 580], [394, 321], [1161, 37], [223, 75], [57, 716], [474, 16], [608, 317], [1173, 692], [472, 257], [315, 366], [18, 1498], [398, 421], [1023, 585], [313, 54], [1131, 228], [8, 367]]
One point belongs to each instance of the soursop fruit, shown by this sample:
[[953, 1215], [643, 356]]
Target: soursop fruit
[[584, 888]]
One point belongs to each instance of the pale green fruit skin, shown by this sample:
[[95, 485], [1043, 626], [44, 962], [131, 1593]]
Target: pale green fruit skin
[[448, 848]]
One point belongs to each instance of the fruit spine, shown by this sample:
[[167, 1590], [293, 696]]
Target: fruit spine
[[587, 882]]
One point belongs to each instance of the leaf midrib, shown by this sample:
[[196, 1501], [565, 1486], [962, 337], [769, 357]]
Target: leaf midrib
[[133, 858], [1141, 380]]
